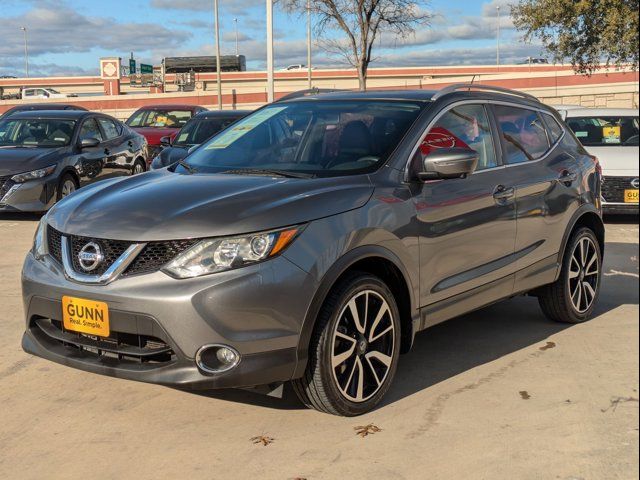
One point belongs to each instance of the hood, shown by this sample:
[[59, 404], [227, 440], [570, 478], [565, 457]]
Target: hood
[[162, 205], [169, 156], [620, 161], [18, 160], [153, 135]]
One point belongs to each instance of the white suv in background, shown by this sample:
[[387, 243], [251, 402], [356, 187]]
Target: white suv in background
[[611, 134]]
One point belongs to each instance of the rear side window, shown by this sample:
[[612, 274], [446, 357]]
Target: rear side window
[[110, 129], [522, 133], [553, 127]]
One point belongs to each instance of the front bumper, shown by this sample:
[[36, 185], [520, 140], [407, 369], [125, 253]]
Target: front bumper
[[609, 208], [257, 310], [31, 196]]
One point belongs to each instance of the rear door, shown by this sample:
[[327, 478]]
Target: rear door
[[467, 226], [547, 174], [92, 160]]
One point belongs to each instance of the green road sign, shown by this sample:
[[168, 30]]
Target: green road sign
[[132, 66], [146, 69]]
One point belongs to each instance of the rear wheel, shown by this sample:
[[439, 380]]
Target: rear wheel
[[66, 186], [354, 350], [572, 298]]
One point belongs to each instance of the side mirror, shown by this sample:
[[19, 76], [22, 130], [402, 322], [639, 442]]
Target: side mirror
[[89, 142], [165, 141], [449, 163]]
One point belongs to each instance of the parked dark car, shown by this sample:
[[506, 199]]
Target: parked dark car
[[30, 107], [155, 122], [47, 155], [197, 130], [314, 238]]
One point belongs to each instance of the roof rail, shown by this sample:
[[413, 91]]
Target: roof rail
[[306, 93], [478, 86]]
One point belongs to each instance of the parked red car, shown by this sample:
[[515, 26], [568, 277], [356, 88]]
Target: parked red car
[[157, 121]]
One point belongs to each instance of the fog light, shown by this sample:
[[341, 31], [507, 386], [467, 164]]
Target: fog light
[[217, 358]]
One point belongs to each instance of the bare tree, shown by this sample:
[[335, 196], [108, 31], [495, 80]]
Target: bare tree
[[362, 22]]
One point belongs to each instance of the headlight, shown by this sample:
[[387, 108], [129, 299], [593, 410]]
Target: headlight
[[220, 254], [40, 240], [40, 173]]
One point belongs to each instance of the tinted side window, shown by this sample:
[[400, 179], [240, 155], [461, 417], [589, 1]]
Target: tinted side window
[[553, 128], [523, 134], [465, 126], [109, 128], [90, 130]]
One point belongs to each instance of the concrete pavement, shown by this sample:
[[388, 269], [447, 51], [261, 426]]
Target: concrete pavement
[[498, 394]]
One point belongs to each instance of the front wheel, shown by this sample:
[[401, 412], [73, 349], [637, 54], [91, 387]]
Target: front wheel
[[354, 350], [572, 298], [66, 186], [138, 168]]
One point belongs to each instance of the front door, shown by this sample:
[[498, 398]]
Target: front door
[[467, 225]]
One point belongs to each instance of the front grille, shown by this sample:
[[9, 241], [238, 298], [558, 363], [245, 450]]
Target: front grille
[[613, 188], [5, 185], [111, 249], [156, 254], [151, 259], [124, 347]]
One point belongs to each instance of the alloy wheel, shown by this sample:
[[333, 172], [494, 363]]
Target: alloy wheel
[[362, 347], [68, 187], [138, 168], [584, 272]]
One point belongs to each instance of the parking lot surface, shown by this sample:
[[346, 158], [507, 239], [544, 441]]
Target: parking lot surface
[[500, 393]]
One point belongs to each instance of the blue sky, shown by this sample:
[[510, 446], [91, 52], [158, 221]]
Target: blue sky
[[68, 36]]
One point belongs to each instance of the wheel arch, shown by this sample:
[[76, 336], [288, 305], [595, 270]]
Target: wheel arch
[[374, 260]]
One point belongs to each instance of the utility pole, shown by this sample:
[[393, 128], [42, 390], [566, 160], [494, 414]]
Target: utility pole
[[309, 66], [498, 38], [270, 76], [26, 52], [235, 21], [218, 63]]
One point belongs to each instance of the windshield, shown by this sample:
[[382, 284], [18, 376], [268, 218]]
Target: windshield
[[605, 131], [326, 138], [52, 90], [43, 133], [160, 119], [198, 130]]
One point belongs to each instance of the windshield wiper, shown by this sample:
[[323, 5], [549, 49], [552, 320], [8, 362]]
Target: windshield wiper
[[267, 171], [187, 167]]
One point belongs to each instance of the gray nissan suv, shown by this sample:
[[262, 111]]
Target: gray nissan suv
[[311, 241]]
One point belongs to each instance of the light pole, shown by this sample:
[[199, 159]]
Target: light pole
[[309, 66], [26, 52], [218, 63], [498, 38], [270, 79], [235, 21]]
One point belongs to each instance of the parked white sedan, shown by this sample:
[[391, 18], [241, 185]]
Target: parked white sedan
[[611, 134]]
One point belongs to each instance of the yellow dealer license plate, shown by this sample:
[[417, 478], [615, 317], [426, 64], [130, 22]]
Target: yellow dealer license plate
[[85, 316], [631, 196]]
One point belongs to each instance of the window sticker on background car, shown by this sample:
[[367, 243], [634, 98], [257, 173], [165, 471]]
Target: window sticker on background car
[[439, 137], [612, 134], [243, 127], [183, 137]]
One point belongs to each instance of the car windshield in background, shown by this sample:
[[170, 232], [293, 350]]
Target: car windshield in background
[[44, 133], [605, 131], [327, 138], [160, 119], [198, 131]]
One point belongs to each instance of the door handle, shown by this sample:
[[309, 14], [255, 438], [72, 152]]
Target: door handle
[[567, 177], [107, 151], [503, 194], [130, 143]]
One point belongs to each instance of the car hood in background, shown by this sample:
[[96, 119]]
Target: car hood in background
[[153, 135], [169, 156], [162, 205], [17, 160], [617, 161]]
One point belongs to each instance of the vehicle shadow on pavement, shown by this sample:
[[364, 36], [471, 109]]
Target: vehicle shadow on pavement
[[20, 217], [461, 344]]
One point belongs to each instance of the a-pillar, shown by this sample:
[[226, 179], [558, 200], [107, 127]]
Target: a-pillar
[[110, 75]]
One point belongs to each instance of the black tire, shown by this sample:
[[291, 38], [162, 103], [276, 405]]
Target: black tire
[[61, 191], [318, 388], [556, 299], [140, 164]]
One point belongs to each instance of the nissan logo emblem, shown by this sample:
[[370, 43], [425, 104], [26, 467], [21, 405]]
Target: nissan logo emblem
[[90, 257], [635, 183]]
